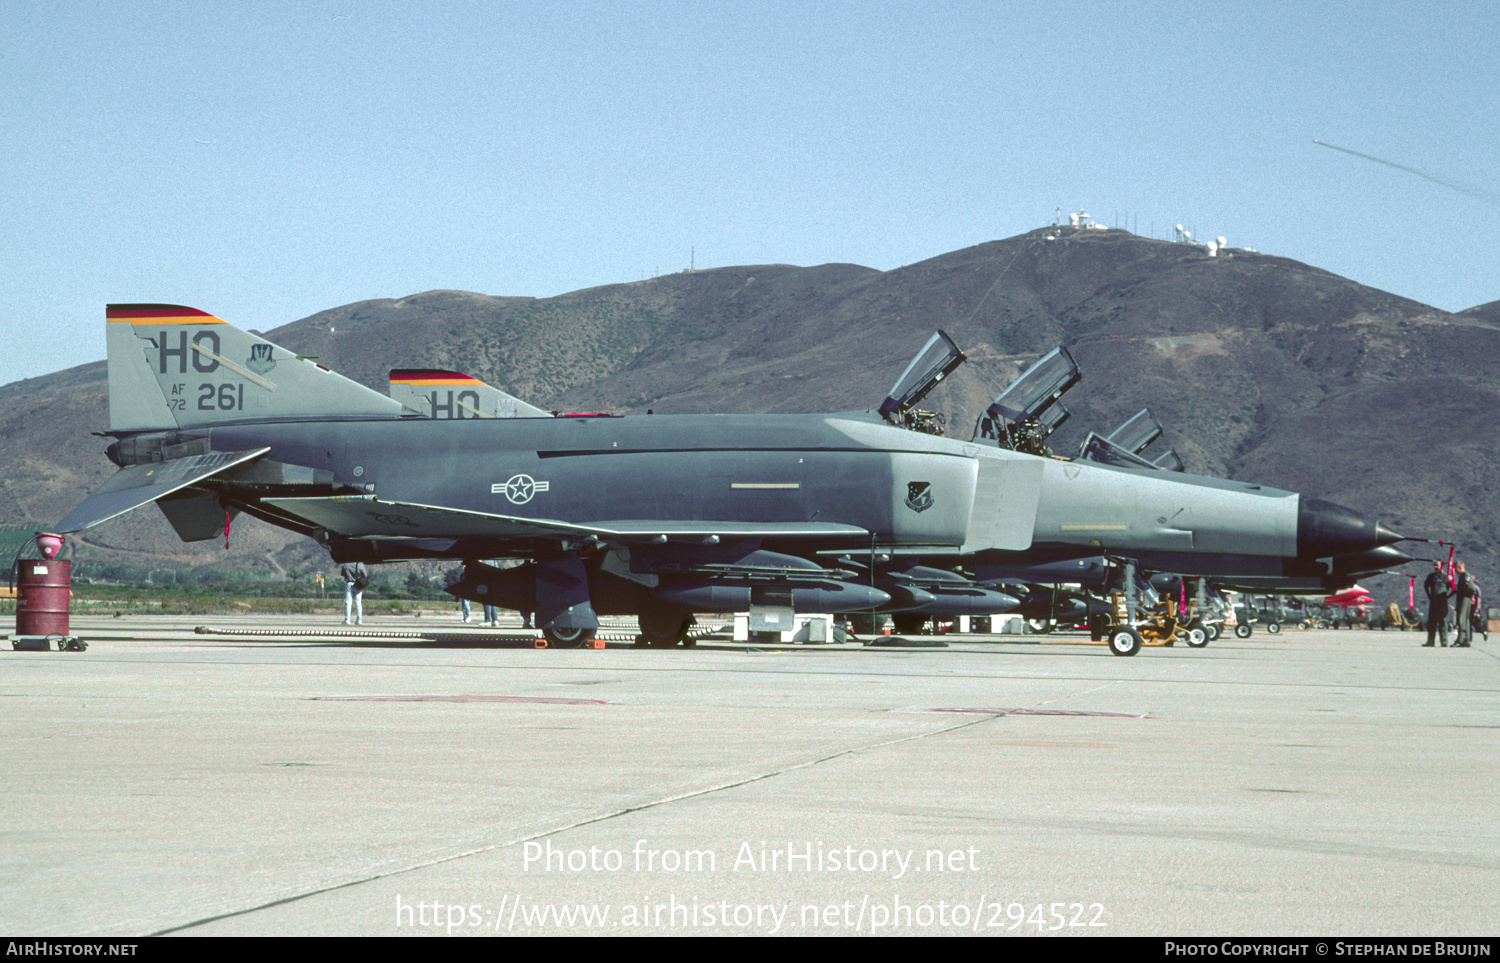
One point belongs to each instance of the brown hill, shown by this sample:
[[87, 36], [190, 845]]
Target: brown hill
[[1489, 311], [1261, 368]]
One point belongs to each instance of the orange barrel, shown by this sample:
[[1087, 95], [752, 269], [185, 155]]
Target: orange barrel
[[42, 590]]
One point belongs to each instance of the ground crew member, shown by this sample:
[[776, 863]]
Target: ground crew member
[[1436, 588], [356, 577], [1463, 590]]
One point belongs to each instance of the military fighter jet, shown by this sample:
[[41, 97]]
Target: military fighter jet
[[657, 517]]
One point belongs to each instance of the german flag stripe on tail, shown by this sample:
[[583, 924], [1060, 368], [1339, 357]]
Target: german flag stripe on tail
[[430, 376], [157, 314]]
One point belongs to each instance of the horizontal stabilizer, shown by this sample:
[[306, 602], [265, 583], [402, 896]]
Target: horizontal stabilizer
[[365, 516], [136, 485]]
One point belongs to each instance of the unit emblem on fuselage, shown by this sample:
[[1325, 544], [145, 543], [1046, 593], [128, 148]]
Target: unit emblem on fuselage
[[919, 496], [519, 489], [261, 359]]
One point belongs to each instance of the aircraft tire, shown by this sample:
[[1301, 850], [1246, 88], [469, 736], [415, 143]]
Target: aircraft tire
[[1273, 627], [1197, 634], [1302, 626], [565, 638], [1242, 631], [1214, 631], [1123, 640]]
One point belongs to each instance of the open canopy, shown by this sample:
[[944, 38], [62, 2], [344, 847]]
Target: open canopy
[[937, 359], [1038, 387]]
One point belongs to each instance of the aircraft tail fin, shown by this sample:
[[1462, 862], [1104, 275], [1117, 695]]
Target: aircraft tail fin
[[450, 395], [176, 367]]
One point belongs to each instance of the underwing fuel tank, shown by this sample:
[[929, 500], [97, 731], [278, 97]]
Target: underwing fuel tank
[[938, 592], [731, 595], [967, 601], [732, 578], [905, 596], [1090, 571], [1365, 563], [515, 588]]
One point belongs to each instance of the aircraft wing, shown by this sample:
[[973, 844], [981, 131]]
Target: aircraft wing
[[135, 485], [365, 516]]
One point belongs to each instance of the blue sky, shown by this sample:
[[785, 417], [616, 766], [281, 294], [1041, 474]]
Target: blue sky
[[264, 161]]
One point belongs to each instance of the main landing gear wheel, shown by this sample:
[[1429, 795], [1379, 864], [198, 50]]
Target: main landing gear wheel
[[1123, 640], [1197, 635], [1214, 631], [1242, 631], [565, 638], [1273, 627]]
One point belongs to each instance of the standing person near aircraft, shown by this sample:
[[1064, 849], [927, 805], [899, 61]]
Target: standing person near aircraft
[[1481, 623], [491, 613], [356, 577], [1464, 591], [464, 611], [1436, 587]]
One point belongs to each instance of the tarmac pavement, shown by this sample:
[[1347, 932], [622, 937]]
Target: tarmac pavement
[[1316, 783]]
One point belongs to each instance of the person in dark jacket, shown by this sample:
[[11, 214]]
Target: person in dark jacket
[[1481, 621], [1464, 591], [356, 577], [1437, 591]]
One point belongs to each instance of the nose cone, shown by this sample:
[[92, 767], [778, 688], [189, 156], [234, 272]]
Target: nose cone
[[1324, 529]]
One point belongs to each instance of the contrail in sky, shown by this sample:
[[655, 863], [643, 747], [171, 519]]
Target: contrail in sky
[[1480, 193]]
